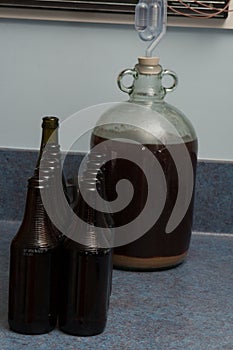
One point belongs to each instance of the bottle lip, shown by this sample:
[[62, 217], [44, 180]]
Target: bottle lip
[[50, 122]]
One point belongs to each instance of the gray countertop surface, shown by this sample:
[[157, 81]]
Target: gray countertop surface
[[189, 307]]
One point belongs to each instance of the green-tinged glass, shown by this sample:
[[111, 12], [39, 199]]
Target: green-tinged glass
[[50, 127]]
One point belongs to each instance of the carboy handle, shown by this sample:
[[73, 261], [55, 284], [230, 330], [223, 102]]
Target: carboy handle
[[166, 72], [122, 87]]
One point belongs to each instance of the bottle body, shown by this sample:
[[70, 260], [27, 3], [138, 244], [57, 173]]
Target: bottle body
[[33, 280], [33, 289], [87, 265], [147, 121], [85, 298], [155, 249]]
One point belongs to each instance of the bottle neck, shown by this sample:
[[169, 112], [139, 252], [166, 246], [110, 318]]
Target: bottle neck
[[91, 186], [35, 222], [49, 137], [147, 88], [33, 204]]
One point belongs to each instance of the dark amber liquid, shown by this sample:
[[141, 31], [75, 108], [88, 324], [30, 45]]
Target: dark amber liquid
[[33, 289], [155, 243], [85, 289]]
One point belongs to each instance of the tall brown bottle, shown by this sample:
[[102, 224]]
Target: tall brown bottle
[[86, 269], [34, 258]]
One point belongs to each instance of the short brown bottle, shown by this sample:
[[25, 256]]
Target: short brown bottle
[[34, 259], [86, 268]]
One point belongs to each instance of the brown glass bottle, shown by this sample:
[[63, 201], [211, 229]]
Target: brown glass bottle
[[86, 271], [34, 259]]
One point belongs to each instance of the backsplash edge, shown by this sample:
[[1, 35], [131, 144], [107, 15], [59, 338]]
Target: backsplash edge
[[213, 209]]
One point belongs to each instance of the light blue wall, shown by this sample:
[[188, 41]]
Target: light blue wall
[[60, 68]]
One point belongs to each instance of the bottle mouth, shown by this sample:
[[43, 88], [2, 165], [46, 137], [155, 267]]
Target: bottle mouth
[[50, 122], [148, 65]]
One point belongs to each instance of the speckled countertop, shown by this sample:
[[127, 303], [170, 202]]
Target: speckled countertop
[[187, 308]]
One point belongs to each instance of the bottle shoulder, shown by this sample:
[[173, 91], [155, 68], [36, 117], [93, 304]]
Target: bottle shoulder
[[158, 122], [73, 246], [177, 119], [31, 237]]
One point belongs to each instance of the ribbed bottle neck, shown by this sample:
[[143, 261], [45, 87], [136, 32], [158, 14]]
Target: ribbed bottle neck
[[36, 228]]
